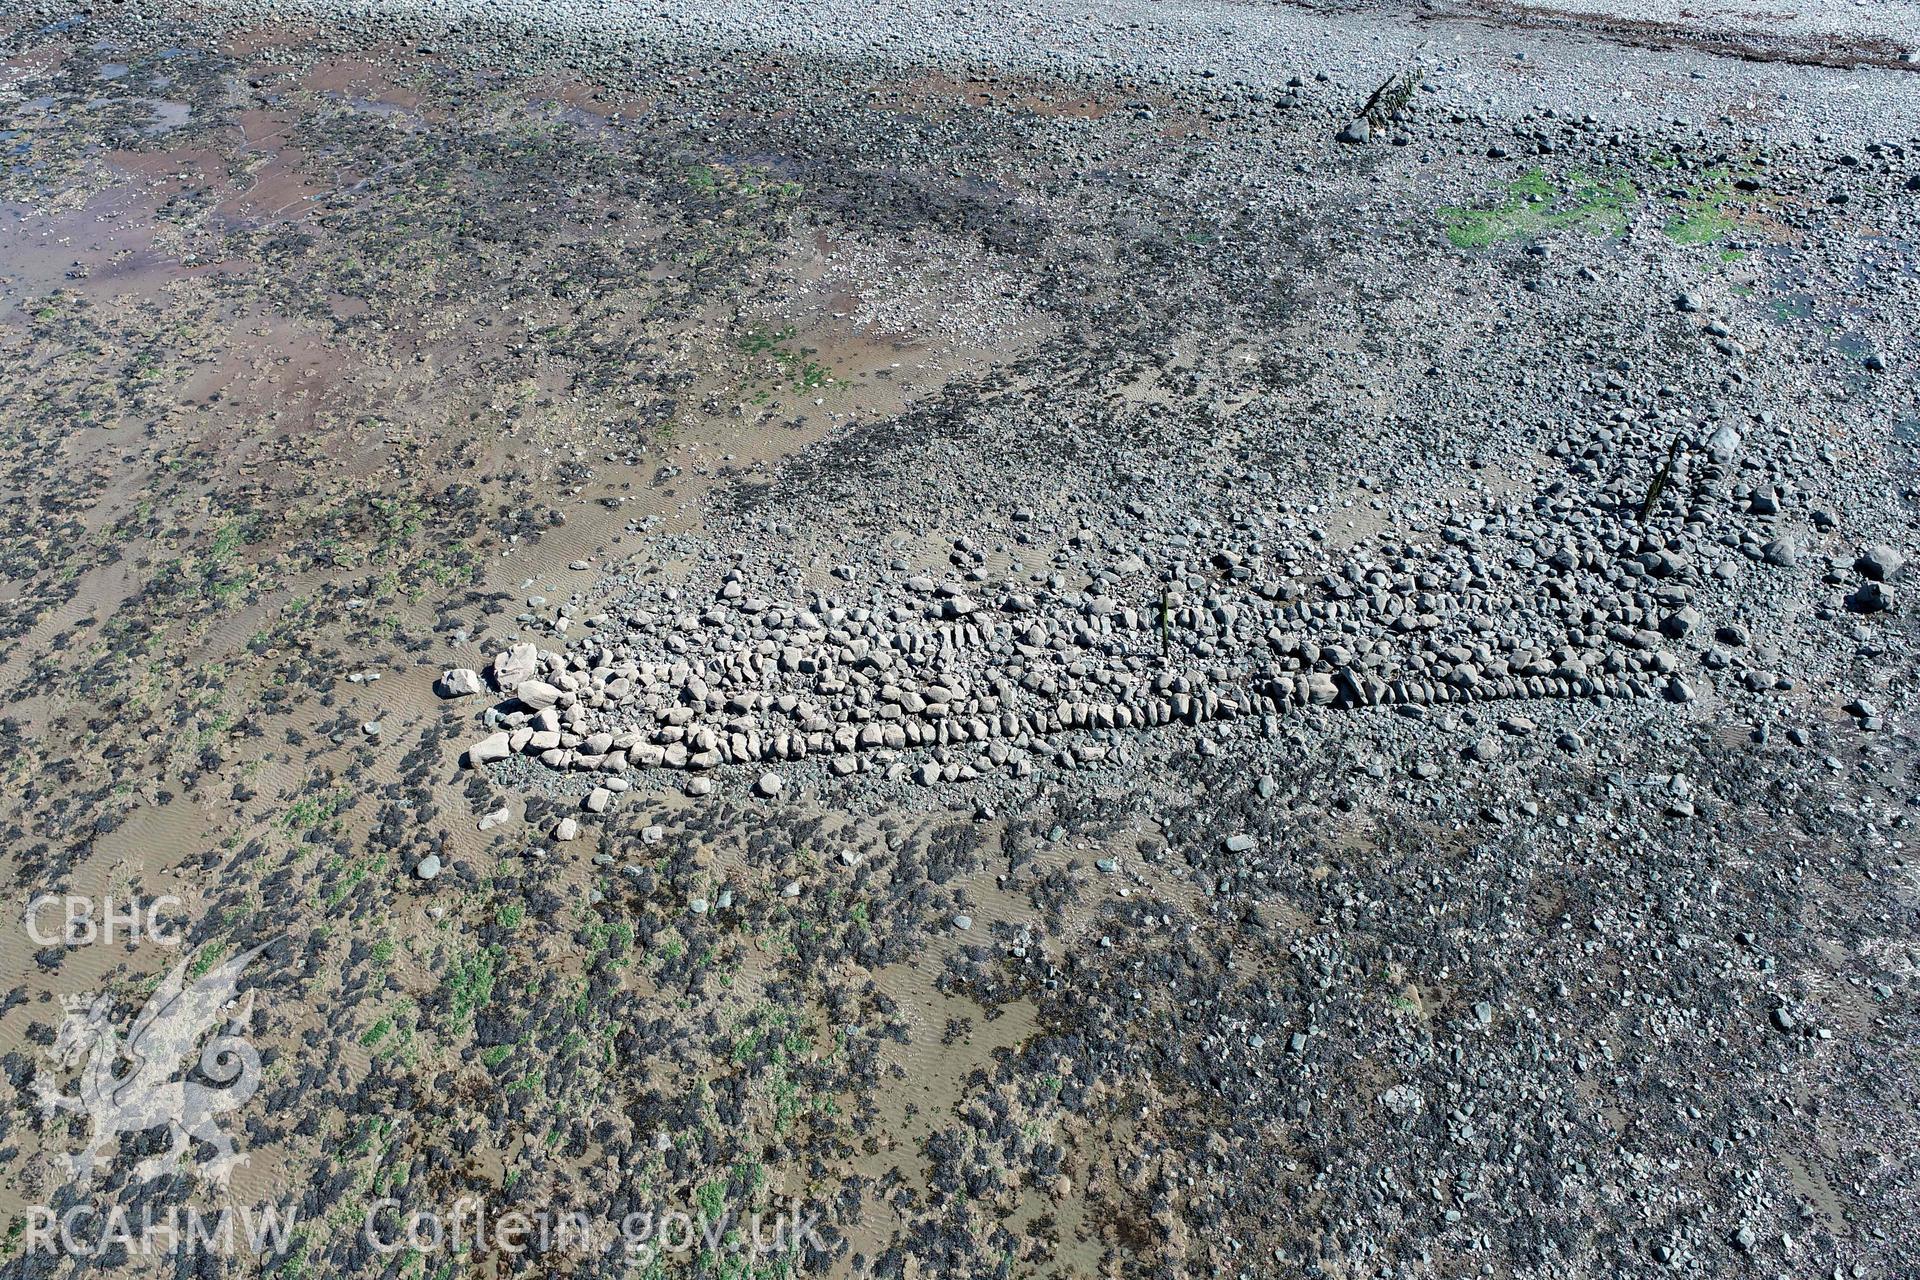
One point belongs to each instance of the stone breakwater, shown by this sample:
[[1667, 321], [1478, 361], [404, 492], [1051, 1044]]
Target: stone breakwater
[[987, 665], [826, 684]]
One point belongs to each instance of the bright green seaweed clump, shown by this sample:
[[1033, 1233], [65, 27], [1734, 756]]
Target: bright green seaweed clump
[[1535, 205], [1706, 211]]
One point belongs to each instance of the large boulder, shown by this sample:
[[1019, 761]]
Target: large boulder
[[460, 682], [538, 695], [492, 747], [518, 664], [1880, 563]]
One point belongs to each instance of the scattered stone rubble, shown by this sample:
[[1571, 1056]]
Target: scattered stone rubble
[[1560, 598]]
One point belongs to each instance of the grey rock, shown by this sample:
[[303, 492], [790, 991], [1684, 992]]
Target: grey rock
[[514, 665], [1786, 551], [1723, 446], [492, 747], [1872, 597], [460, 682], [1880, 562], [1681, 623], [537, 694]]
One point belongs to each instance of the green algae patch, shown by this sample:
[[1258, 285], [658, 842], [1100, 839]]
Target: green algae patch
[[1536, 205], [1698, 226], [1706, 211]]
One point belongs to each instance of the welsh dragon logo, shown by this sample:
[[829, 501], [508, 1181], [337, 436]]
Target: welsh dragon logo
[[152, 1090]]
